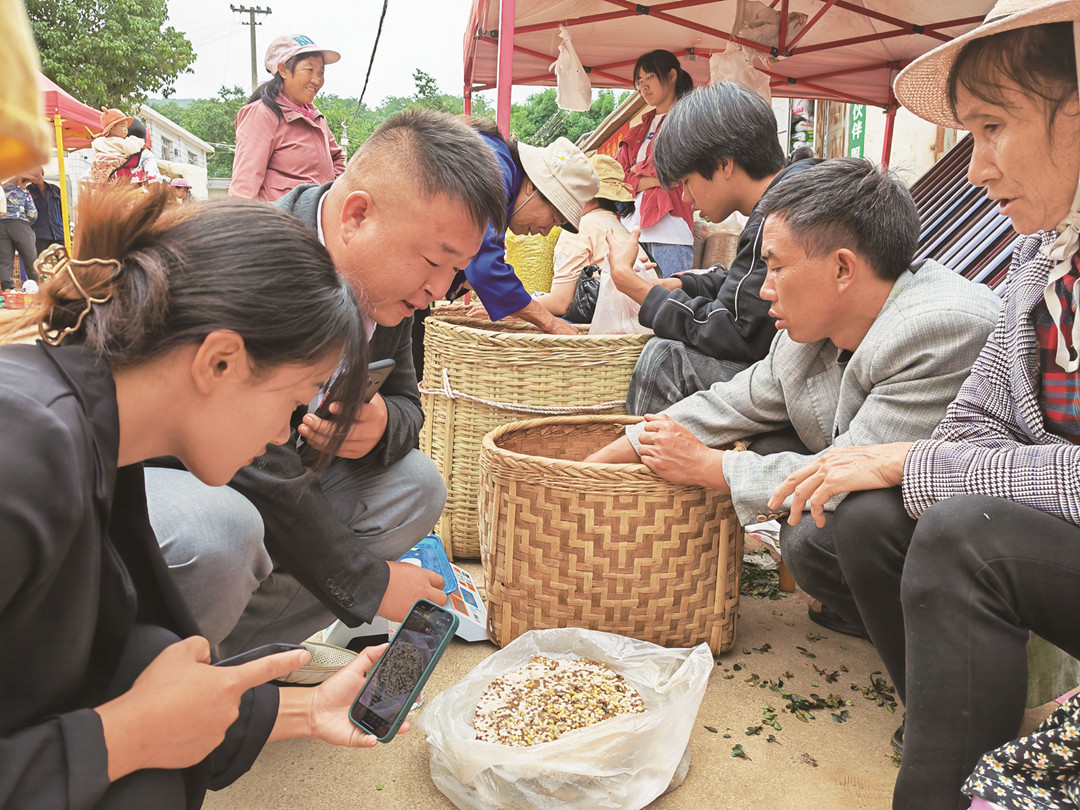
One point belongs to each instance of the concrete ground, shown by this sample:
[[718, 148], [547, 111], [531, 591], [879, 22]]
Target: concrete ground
[[819, 763], [839, 759]]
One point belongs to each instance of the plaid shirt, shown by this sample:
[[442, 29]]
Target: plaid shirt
[[1060, 388], [993, 440]]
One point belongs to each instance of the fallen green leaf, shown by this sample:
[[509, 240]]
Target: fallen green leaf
[[737, 751]]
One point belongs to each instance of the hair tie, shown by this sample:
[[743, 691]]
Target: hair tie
[[55, 262]]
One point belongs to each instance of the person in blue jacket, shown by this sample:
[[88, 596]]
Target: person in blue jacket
[[545, 187]]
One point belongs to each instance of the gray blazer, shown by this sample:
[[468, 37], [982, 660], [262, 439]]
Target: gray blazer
[[894, 387]]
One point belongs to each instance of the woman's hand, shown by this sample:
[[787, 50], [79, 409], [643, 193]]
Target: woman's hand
[[840, 470], [621, 256], [323, 712], [180, 707], [675, 454]]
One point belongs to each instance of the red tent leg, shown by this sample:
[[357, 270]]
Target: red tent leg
[[505, 80], [468, 101], [890, 119]]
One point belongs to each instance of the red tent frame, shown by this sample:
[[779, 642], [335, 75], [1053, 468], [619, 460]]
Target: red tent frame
[[794, 75]]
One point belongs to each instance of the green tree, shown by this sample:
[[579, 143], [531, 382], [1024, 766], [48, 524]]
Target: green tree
[[539, 121], [109, 52], [213, 120]]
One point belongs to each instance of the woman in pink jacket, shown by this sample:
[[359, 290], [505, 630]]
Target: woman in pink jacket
[[282, 140]]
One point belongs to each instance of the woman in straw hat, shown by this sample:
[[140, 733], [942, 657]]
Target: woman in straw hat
[[963, 543], [573, 252]]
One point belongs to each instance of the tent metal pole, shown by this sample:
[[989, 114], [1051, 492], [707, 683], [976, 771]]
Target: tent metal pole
[[886, 149], [65, 209], [505, 74], [468, 100]]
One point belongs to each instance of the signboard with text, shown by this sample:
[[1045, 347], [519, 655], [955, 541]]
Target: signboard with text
[[857, 130]]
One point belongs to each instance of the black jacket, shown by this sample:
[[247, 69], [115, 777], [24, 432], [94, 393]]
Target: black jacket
[[721, 314], [304, 535], [79, 568]]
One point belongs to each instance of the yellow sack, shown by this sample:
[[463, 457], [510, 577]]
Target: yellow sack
[[532, 258]]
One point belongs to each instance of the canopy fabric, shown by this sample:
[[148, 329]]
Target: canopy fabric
[[79, 122], [850, 50]]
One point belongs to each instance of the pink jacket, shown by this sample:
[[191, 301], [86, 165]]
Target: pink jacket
[[273, 157]]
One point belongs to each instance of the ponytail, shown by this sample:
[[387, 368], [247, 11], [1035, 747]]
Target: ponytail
[[660, 63], [268, 91], [147, 277]]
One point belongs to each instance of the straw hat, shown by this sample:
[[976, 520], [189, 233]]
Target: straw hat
[[562, 173], [111, 116], [613, 185], [921, 86]]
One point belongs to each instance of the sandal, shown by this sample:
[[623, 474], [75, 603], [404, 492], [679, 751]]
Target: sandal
[[831, 620]]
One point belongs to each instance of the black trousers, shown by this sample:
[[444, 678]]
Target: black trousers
[[949, 601], [155, 788], [16, 234]]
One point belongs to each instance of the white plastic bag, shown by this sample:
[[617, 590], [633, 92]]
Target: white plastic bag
[[574, 90], [615, 313], [624, 762], [760, 23], [736, 64]]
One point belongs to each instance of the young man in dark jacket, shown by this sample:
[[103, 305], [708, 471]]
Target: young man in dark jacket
[[280, 553], [721, 143]]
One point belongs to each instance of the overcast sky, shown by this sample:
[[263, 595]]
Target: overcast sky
[[424, 34]]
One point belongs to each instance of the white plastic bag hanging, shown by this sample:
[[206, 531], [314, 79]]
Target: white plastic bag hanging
[[624, 762], [736, 64], [616, 313], [574, 90], [759, 23]]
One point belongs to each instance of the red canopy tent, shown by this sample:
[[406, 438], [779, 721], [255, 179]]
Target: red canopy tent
[[75, 124], [849, 50]]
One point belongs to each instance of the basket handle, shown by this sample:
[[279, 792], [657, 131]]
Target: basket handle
[[452, 393]]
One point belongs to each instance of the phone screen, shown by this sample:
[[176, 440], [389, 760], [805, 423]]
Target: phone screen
[[387, 696]]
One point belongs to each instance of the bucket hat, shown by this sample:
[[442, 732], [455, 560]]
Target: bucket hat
[[561, 172], [179, 182], [921, 86], [613, 185], [285, 48], [111, 116]]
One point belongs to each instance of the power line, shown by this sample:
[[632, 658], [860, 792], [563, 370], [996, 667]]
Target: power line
[[344, 142]]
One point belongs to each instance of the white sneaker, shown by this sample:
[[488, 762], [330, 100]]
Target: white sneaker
[[326, 659]]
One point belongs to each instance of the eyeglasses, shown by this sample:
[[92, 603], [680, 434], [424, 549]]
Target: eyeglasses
[[642, 78]]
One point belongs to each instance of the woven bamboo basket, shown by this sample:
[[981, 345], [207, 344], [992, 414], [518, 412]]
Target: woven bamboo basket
[[609, 547], [479, 375]]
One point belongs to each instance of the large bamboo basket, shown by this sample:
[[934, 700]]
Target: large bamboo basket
[[609, 547], [479, 375]]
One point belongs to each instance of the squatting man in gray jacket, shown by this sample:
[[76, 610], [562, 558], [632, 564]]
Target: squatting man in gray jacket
[[871, 349]]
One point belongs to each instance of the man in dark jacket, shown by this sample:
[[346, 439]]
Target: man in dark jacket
[[49, 226], [721, 143], [280, 552]]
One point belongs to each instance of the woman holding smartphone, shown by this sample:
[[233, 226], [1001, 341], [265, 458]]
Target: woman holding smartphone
[[155, 341]]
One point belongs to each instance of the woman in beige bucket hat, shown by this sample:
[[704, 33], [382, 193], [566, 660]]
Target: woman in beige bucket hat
[[962, 544], [545, 187]]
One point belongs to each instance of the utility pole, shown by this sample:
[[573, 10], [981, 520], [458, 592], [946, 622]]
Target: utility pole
[[251, 12]]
